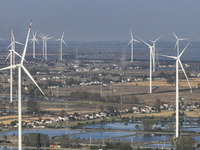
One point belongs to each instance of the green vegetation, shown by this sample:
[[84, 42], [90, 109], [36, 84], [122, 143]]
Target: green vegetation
[[33, 106], [119, 146], [147, 124], [37, 140], [82, 95], [65, 141], [184, 143]]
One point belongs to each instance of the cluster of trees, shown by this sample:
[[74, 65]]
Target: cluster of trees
[[34, 70], [52, 83], [71, 81], [36, 140], [130, 99], [147, 124], [119, 146], [183, 143], [33, 107], [66, 142], [82, 95], [171, 77]]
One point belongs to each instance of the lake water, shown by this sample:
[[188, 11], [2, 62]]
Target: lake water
[[131, 126], [101, 135], [158, 146], [146, 138], [50, 132]]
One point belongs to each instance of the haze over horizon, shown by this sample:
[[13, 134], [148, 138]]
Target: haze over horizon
[[100, 20]]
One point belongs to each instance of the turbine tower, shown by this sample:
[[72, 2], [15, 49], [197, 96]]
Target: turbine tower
[[45, 46], [178, 62], [154, 52], [43, 41], [12, 45], [61, 41], [33, 40], [20, 66], [150, 64], [131, 42]]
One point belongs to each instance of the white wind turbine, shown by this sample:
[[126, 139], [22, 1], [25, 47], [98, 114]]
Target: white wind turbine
[[45, 45], [177, 42], [61, 41], [178, 62], [12, 45], [43, 42], [20, 66], [11, 72], [46, 38], [131, 42], [150, 63], [154, 52], [33, 40]]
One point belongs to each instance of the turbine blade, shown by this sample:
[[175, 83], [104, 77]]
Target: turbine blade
[[62, 35], [19, 55], [9, 45], [29, 75], [183, 39], [64, 43], [18, 43], [129, 43], [136, 41], [184, 73], [151, 41], [42, 35], [12, 35], [49, 38], [176, 44], [169, 56], [35, 33], [25, 47], [9, 67], [175, 35], [188, 44], [8, 56], [37, 41], [131, 34], [158, 38], [145, 42]]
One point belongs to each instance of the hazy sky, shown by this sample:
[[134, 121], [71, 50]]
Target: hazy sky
[[100, 20]]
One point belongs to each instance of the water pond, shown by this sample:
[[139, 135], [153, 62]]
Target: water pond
[[101, 135], [145, 138], [50, 132]]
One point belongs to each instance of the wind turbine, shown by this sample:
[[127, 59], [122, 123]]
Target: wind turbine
[[61, 41], [154, 52], [20, 66], [177, 42], [45, 38], [131, 42], [33, 40], [45, 45], [11, 72], [178, 62], [150, 63], [43, 41], [12, 44]]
